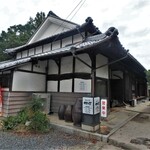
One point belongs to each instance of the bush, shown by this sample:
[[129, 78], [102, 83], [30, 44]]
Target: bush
[[36, 104], [10, 123], [38, 121], [23, 115]]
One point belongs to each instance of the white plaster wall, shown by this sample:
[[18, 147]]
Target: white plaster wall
[[51, 29], [40, 66], [23, 81], [26, 67], [117, 73], [66, 41], [80, 67], [31, 52], [77, 38], [38, 50], [101, 72], [19, 55], [52, 86], [24, 53], [66, 85], [47, 47], [82, 86], [55, 45], [53, 68], [66, 64]]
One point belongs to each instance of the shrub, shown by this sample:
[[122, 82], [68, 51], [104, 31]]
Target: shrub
[[36, 104], [23, 115], [10, 123], [38, 121]]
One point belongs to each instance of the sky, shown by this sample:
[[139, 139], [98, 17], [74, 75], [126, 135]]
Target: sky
[[130, 17]]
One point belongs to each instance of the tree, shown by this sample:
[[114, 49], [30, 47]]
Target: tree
[[148, 76], [19, 34]]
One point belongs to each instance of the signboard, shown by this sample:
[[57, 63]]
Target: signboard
[[103, 107], [91, 105], [87, 105], [96, 105]]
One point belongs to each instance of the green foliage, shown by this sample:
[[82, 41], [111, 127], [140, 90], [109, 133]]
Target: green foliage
[[148, 76], [36, 104], [10, 123], [19, 34], [23, 116], [38, 121]]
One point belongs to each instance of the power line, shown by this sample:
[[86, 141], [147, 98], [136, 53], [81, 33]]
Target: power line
[[74, 9], [71, 17], [78, 10], [68, 16]]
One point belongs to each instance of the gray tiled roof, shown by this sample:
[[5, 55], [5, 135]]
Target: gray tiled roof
[[85, 44], [9, 64], [88, 42]]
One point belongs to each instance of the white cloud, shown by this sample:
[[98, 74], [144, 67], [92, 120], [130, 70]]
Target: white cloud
[[130, 17]]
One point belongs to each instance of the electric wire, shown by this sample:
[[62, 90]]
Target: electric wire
[[77, 10], [71, 18], [68, 16]]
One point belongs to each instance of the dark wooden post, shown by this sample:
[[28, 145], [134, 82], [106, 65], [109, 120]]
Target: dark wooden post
[[93, 75]]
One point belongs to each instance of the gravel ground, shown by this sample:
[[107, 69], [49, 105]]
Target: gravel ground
[[53, 140]]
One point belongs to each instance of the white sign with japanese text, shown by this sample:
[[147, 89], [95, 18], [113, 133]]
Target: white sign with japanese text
[[87, 105], [104, 108]]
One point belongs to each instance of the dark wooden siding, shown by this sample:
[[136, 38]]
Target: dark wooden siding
[[64, 98]]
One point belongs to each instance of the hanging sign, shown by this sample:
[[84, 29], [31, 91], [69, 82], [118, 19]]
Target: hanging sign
[[104, 108]]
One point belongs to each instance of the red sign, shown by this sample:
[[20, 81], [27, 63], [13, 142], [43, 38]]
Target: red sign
[[103, 107]]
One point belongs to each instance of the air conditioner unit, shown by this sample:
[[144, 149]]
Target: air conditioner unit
[[46, 97]]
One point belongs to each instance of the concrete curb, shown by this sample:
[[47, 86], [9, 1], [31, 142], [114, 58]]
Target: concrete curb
[[123, 145], [91, 135], [122, 124], [78, 132]]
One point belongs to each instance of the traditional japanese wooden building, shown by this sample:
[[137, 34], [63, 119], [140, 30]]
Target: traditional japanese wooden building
[[69, 61]]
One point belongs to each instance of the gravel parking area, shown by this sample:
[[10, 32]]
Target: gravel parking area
[[53, 140]]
